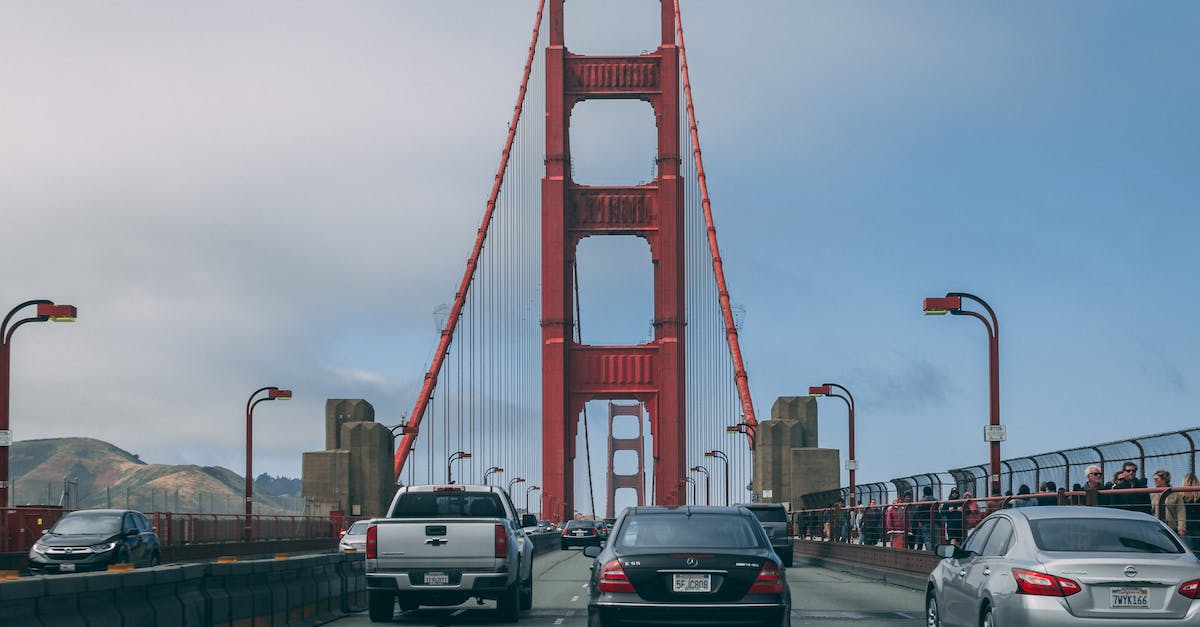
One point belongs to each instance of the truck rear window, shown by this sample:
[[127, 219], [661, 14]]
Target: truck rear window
[[769, 514], [448, 505]]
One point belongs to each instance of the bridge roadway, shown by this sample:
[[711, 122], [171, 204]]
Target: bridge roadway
[[820, 597]]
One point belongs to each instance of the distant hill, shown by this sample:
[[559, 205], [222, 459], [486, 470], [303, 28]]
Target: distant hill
[[93, 473]]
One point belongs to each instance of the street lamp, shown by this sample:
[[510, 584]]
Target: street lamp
[[686, 480], [824, 390], [994, 433], [489, 472], [453, 456], [527, 491], [46, 310], [707, 482], [273, 394], [721, 456], [511, 482]]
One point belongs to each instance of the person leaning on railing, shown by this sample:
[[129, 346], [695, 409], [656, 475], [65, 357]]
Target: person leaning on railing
[[1167, 505], [1191, 508]]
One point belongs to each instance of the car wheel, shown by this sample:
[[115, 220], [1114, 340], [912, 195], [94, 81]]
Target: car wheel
[[155, 560], [988, 619], [594, 619], [509, 604], [380, 605], [122, 556], [527, 593], [932, 617], [564, 546], [787, 559]]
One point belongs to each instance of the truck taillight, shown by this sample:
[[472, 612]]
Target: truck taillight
[[501, 542], [789, 529], [372, 542]]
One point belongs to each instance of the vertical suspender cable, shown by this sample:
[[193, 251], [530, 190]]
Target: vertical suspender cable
[[472, 262], [587, 439], [735, 351]]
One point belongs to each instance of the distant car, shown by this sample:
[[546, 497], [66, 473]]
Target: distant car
[[1065, 565], [94, 539], [775, 520], [581, 533], [354, 539], [544, 526], [687, 565]]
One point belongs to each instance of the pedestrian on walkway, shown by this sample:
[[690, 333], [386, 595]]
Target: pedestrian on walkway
[[1191, 507], [952, 516], [897, 524], [872, 523], [1167, 505]]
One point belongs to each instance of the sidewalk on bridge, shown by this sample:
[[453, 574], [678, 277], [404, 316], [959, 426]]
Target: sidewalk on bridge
[[913, 566]]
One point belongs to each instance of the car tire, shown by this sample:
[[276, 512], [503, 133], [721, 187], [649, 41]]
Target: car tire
[[564, 546], [122, 556], [155, 560], [509, 603], [787, 559], [988, 619], [933, 616], [381, 605], [594, 619], [527, 593]]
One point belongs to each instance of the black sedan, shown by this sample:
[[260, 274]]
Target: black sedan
[[687, 565], [94, 539]]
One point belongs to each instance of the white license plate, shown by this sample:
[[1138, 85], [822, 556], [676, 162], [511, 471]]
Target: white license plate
[[66, 568], [691, 583], [437, 579], [1130, 598]]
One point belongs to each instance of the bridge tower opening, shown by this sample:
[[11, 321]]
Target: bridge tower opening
[[574, 373]]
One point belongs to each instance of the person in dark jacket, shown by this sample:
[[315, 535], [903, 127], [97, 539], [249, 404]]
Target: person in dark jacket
[[872, 524], [1051, 488], [1130, 480], [951, 513]]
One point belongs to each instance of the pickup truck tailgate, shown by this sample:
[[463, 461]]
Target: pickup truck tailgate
[[451, 542]]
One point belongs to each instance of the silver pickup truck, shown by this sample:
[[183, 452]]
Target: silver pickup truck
[[442, 545]]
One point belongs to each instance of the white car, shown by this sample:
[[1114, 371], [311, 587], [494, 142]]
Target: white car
[[354, 539], [1061, 565]]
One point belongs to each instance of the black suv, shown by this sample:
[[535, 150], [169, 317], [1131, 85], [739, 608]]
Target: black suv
[[93, 539], [774, 519]]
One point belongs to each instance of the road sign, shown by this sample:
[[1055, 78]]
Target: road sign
[[994, 433], [851, 464], [5, 437]]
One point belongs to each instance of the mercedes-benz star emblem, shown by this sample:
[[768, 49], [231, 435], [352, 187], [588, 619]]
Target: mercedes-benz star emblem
[[693, 562], [1130, 571]]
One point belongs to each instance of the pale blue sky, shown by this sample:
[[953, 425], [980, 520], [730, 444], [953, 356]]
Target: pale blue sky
[[243, 195]]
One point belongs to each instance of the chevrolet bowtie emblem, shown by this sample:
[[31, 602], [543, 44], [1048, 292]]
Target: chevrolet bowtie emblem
[[436, 541]]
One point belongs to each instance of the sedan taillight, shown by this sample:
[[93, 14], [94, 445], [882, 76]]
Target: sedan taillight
[[1042, 584], [501, 542], [372, 542], [1190, 589], [614, 579], [769, 580]]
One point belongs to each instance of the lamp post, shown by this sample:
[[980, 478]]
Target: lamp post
[[273, 394], [489, 472], [707, 482], [825, 390], [511, 482], [527, 491], [683, 481], [721, 456], [744, 428], [453, 456], [46, 310], [994, 433]]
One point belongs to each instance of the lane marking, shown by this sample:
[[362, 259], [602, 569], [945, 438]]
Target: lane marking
[[584, 586], [575, 598], [458, 613], [558, 621]]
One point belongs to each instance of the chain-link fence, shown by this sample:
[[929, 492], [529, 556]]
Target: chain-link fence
[[1174, 452], [67, 493]]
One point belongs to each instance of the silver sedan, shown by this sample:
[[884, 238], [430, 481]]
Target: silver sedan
[[354, 540], [1057, 565]]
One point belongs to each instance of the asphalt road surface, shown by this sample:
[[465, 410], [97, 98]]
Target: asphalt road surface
[[820, 597]]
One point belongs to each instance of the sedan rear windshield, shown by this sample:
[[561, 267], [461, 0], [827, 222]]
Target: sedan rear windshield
[[448, 505], [695, 532], [1105, 535], [576, 524]]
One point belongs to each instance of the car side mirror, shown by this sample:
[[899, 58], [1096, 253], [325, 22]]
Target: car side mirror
[[342, 533], [591, 551], [528, 520], [129, 533]]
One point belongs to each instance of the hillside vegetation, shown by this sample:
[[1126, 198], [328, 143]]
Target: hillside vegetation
[[87, 473]]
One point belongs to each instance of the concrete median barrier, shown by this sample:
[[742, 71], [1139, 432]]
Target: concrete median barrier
[[303, 590]]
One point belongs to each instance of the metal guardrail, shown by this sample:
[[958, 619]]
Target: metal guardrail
[[1173, 451]]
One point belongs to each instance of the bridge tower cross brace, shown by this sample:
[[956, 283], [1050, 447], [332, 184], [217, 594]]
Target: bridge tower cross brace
[[573, 374]]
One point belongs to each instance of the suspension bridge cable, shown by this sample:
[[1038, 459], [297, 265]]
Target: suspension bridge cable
[[472, 263], [587, 440], [740, 377]]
